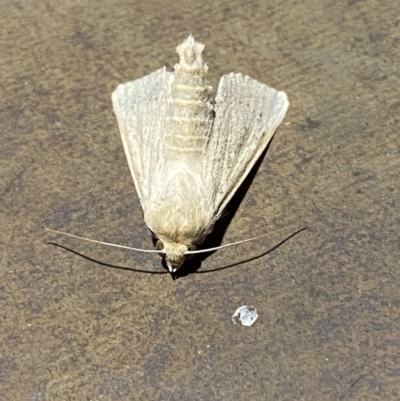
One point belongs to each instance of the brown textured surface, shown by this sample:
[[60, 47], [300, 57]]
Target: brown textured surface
[[328, 298]]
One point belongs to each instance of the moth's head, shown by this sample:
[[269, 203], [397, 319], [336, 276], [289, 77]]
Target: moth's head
[[174, 253]]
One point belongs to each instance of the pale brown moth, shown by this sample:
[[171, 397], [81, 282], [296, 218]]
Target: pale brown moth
[[188, 153]]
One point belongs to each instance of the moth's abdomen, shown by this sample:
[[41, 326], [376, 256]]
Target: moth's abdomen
[[189, 112], [189, 120]]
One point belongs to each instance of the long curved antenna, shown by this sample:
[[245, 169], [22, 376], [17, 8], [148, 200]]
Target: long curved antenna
[[234, 243], [106, 243]]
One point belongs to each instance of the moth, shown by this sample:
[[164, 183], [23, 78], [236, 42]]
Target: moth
[[189, 153]]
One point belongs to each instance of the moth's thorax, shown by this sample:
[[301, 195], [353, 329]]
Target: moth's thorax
[[174, 224], [181, 210], [189, 112]]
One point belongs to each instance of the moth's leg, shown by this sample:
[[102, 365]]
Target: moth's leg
[[160, 246], [190, 248]]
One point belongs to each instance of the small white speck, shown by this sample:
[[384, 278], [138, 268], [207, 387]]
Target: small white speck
[[246, 315]]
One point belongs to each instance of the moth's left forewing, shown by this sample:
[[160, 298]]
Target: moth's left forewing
[[141, 107], [247, 114]]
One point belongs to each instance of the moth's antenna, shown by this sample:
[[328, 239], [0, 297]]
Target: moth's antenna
[[106, 243], [236, 243]]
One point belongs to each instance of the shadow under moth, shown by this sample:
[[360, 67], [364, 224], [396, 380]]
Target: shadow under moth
[[187, 152]]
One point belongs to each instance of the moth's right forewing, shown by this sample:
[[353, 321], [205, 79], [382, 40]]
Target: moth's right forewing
[[141, 107], [247, 114]]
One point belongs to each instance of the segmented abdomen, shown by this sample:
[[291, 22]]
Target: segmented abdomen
[[190, 113], [189, 120]]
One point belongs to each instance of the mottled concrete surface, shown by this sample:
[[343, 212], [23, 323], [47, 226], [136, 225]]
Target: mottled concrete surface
[[328, 298]]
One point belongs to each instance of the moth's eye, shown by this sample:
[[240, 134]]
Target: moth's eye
[[190, 248], [160, 246]]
